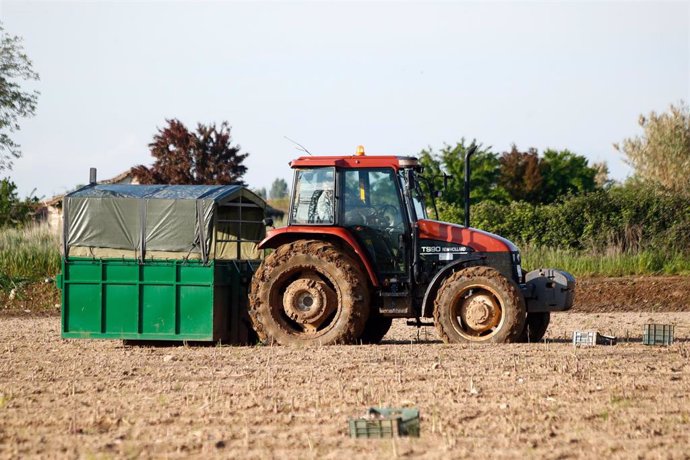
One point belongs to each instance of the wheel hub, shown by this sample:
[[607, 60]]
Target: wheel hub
[[309, 302], [480, 312]]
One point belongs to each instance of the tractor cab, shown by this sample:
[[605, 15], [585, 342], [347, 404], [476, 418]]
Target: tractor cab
[[374, 198]]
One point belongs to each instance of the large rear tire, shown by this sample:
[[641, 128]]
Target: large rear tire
[[376, 329], [478, 304], [309, 293], [535, 327]]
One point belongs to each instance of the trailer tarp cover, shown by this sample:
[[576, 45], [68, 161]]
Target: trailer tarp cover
[[141, 219]]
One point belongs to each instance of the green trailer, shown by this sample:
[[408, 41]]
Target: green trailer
[[159, 262]]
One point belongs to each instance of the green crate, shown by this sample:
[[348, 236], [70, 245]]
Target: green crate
[[382, 422], [657, 334], [385, 428]]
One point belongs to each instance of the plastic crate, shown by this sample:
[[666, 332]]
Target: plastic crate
[[657, 334], [591, 338], [383, 422], [384, 428], [584, 338]]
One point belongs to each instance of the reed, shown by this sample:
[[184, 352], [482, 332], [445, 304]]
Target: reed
[[28, 254]]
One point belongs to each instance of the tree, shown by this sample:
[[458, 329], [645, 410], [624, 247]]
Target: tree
[[279, 189], [15, 103], [484, 166], [565, 172], [261, 192], [206, 156], [527, 177], [662, 154], [520, 175], [14, 212], [602, 179]]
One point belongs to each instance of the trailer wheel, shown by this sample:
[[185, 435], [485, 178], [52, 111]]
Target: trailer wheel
[[309, 293], [376, 328], [478, 304], [535, 327]]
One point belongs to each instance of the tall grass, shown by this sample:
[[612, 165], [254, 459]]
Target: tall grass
[[28, 254], [280, 203], [611, 262]]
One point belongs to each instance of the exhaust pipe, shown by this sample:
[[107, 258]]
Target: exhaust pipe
[[468, 154]]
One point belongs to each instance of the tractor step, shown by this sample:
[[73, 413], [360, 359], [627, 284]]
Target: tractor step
[[412, 322], [395, 294]]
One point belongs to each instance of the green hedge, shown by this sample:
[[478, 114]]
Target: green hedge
[[629, 219]]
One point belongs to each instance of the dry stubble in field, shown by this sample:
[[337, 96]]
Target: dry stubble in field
[[550, 400]]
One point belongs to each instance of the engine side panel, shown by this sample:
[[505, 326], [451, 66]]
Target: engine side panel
[[478, 240]]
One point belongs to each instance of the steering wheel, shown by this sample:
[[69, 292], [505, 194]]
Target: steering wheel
[[390, 215]]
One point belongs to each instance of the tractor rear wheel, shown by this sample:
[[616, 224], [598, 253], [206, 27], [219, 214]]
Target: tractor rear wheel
[[478, 304], [309, 293], [535, 327], [376, 328]]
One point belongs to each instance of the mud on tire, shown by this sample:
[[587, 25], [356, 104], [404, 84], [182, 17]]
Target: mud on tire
[[309, 293], [478, 304]]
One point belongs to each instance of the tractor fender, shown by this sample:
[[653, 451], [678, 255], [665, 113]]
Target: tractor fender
[[445, 272], [284, 235]]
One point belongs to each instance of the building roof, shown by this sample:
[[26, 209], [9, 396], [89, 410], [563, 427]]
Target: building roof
[[119, 178], [57, 199]]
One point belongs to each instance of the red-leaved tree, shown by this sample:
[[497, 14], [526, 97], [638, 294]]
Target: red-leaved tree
[[521, 175], [206, 156]]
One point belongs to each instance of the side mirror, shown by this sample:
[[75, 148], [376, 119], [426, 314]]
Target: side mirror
[[268, 221]]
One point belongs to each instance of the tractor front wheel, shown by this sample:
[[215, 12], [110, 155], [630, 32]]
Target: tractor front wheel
[[309, 293], [478, 304]]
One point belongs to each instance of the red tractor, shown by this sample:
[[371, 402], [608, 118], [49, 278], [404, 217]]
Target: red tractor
[[359, 249]]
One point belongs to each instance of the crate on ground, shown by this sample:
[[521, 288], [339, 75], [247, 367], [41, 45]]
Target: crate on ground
[[584, 338], [657, 334], [592, 338], [383, 422]]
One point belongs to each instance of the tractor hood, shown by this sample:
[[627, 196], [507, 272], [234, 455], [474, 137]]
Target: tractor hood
[[478, 240]]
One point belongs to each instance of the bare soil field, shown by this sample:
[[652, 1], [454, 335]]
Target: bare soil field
[[633, 293], [630, 293], [101, 399]]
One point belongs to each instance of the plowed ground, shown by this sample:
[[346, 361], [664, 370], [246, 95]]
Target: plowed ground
[[71, 398]]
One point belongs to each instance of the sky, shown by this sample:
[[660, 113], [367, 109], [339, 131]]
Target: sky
[[394, 77]]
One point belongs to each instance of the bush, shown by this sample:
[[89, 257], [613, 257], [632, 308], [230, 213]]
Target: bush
[[629, 219]]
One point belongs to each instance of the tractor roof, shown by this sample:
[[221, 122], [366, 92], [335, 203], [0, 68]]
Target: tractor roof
[[355, 161]]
